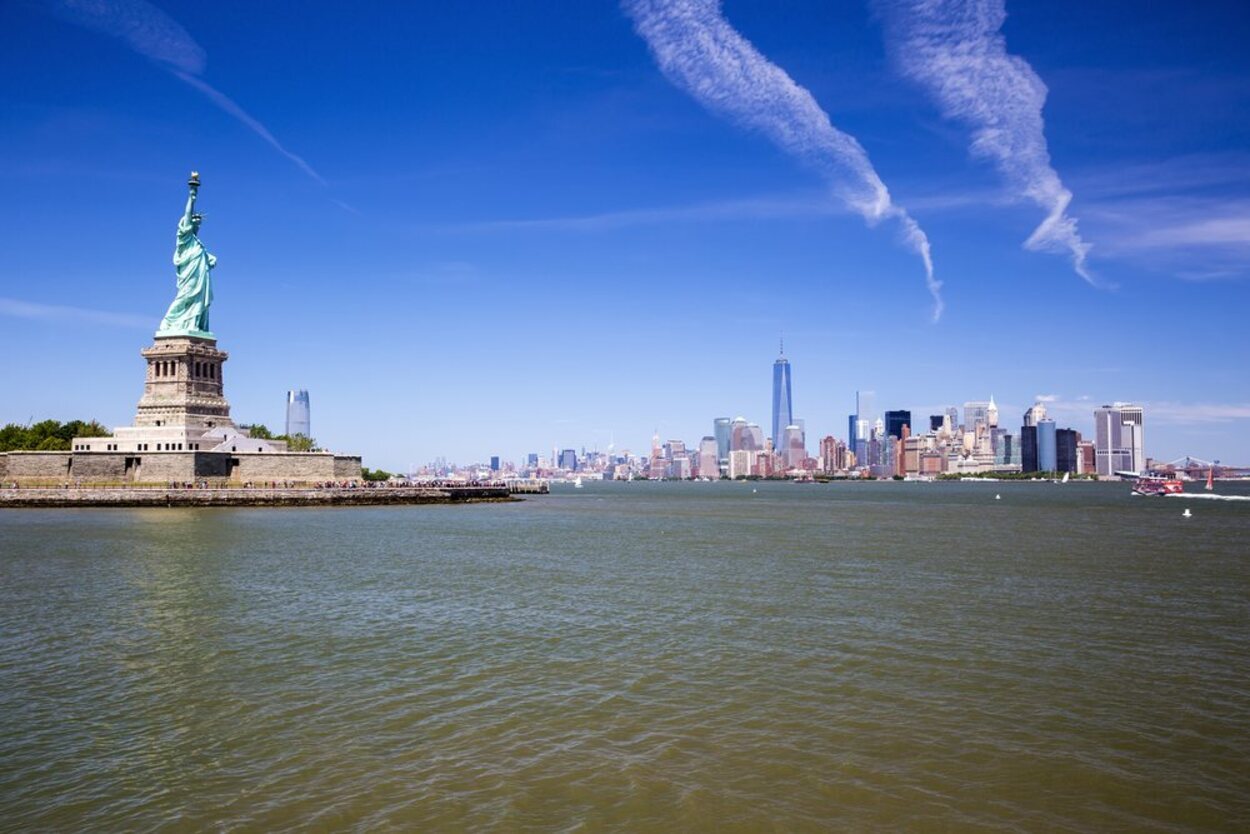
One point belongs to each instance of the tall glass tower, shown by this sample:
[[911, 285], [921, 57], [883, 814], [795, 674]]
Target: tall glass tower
[[722, 432], [297, 416], [783, 411]]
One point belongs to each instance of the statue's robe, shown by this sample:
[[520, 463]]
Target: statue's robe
[[189, 311]]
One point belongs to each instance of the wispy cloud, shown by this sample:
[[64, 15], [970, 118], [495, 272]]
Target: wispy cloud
[[228, 105], [1186, 413], [49, 312], [955, 50], [698, 51], [1168, 412], [761, 208], [155, 35], [1197, 237]]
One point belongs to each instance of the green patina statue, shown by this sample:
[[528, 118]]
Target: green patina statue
[[188, 314]]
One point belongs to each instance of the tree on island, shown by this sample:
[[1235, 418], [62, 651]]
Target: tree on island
[[299, 443], [374, 474], [48, 435], [294, 442]]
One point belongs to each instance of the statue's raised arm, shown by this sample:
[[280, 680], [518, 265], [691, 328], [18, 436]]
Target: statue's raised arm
[[194, 187], [188, 314]]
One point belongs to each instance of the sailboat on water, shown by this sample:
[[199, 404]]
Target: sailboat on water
[[1210, 479]]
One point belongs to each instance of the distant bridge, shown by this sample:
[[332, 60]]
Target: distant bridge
[[1197, 468]]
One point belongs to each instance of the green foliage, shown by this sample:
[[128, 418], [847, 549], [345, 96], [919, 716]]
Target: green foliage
[[299, 443], [294, 442], [47, 435], [374, 474]]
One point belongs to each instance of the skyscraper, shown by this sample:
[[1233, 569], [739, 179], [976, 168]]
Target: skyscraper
[[793, 450], [709, 454], [738, 437], [1035, 414], [953, 413], [298, 419], [1118, 439], [894, 422], [860, 426], [722, 431], [1028, 449], [974, 413], [1047, 450], [783, 411], [1066, 441]]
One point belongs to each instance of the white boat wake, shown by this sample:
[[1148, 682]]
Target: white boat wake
[[1210, 497]]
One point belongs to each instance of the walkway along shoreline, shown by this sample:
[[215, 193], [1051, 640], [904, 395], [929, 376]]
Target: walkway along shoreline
[[34, 497]]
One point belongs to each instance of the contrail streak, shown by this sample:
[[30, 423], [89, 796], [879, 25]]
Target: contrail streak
[[155, 35], [227, 104], [954, 49], [699, 52]]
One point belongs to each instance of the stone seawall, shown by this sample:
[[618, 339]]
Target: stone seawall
[[254, 497]]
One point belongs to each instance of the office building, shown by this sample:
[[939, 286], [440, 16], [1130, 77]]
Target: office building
[[494, 463], [1118, 439], [1028, 449], [976, 414], [1007, 451], [1086, 457], [710, 457], [740, 463], [1047, 453], [1035, 414], [297, 414], [783, 411], [793, 449], [568, 459], [895, 421], [1066, 442], [722, 431], [953, 414]]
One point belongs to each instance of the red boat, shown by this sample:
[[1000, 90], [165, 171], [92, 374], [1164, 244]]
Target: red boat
[[1158, 485]]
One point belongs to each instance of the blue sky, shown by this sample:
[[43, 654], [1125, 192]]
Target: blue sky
[[475, 229]]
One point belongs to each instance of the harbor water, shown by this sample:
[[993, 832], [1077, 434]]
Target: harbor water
[[634, 657]]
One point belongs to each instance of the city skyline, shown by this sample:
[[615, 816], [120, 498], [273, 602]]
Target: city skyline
[[491, 232]]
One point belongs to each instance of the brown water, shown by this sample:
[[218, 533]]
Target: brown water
[[642, 657]]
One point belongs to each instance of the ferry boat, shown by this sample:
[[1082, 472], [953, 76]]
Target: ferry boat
[[1157, 485]]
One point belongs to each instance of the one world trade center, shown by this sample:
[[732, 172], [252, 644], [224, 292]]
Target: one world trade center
[[783, 410]]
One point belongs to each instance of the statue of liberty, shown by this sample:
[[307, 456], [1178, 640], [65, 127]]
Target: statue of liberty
[[188, 313]]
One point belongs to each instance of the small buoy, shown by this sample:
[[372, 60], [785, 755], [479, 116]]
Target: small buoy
[[997, 497], [754, 491], [1187, 513]]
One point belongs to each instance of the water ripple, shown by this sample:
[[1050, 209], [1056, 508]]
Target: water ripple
[[632, 657]]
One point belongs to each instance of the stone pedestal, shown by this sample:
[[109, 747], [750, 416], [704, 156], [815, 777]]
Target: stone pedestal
[[184, 385]]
